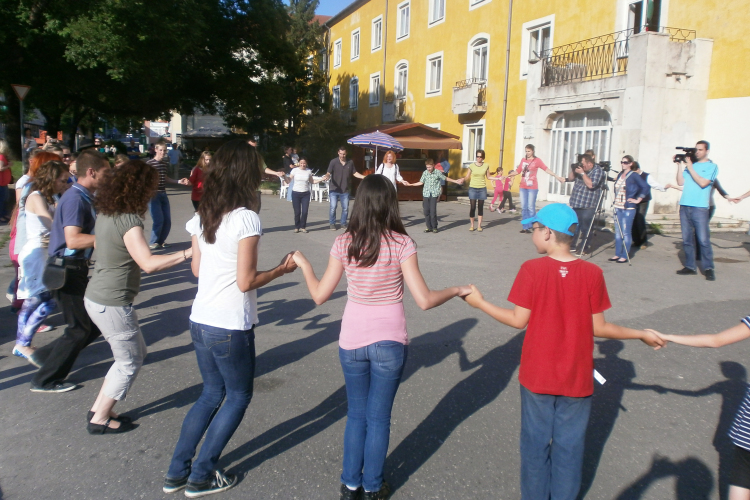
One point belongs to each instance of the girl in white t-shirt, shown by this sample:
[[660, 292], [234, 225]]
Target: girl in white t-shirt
[[225, 232], [389, 169], [301, 179]]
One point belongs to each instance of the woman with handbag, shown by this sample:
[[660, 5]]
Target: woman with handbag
[[121, 252], [39, 202], [630, 189]]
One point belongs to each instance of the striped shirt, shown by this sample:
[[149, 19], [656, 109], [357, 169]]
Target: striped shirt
[[739, 433], [161, 166], [383, 283]]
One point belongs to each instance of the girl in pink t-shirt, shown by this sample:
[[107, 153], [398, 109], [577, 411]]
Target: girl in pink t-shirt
[[378, 257], [528, 168]]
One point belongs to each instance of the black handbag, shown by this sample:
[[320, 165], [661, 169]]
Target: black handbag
[[54, 274]]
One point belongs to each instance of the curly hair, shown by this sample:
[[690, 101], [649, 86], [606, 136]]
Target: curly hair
[[389, 152], [126, 189], [231, 182], [40, 159], [46, 178]]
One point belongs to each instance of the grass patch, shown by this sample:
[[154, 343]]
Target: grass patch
[[273, 186], [4, 238], [16, 167], [655, 228]]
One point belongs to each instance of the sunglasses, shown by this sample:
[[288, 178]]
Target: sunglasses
[[66, 157], [480, 156], [625, 162]]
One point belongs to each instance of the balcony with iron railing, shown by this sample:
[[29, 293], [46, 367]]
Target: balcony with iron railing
[[600, 57], [470, 96]]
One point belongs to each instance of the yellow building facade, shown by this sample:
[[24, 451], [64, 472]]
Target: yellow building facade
[[442, 63]]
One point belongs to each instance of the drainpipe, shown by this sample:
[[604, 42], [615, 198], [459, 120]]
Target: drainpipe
[[385, 51], [505, 94]]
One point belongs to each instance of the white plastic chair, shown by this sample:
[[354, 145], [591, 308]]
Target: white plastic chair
[[282, 190]]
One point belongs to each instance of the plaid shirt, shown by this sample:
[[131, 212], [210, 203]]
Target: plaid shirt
[[432, 187], [582, 196]]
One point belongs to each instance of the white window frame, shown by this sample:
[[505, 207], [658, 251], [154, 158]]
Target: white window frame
[[432, 20], [470, 153], [399, 28], [399, 66], [475, 4], [337, 49], [379, 22], [470, 54], [436, 126], [376, 93], [356, 40], [430, 59], [336, 97], [528, 27], [353, 96]]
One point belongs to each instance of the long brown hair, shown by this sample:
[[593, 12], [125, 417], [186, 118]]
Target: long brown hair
[[201, 163], [40, 159], [231, 182], [46, 178], [375, 215], [126, 189]]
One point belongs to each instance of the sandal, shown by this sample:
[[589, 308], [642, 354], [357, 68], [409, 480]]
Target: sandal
[[471, 228], [479, 228]]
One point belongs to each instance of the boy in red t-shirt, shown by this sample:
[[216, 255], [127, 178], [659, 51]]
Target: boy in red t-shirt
[[560, 300]]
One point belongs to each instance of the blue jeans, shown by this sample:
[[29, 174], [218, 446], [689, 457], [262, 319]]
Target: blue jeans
[[372, 376], [528, 204], [334, 199], [623, 233], [226, 359], [161, 217], [289, 190], [694, 222], [3, 201], [553, 432]]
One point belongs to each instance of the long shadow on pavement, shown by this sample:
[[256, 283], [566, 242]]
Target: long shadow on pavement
[[694, 479]]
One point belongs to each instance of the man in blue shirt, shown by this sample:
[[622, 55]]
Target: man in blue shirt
[[696, 179], [72, 241]]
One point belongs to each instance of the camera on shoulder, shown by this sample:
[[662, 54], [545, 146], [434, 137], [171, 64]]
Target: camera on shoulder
[[688, 153]]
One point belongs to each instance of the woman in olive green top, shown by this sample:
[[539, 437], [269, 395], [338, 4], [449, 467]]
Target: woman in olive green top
[[477, 177], [121, 253]]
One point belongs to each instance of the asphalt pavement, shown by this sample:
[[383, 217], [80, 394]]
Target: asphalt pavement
[[657, 429]]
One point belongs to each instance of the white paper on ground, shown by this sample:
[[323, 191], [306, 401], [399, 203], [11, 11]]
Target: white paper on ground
[[599, 378]]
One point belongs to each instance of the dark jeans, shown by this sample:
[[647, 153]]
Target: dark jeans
[[226, 359], [3, 201], [429, 207], [372, 375], [553, 432], [196, 204], [301, 203], [161, 217], [694, 224], [640, 227], [585, 217], [507, 196], [58, 356]]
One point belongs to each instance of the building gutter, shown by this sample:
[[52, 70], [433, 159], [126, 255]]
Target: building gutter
[[385, 53]]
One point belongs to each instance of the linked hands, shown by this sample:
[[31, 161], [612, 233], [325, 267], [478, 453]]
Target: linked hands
[[288, 264], [474, 297]]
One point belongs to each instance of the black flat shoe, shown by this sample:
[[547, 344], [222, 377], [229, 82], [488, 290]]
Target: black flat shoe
[[614, 259], [106, 429], [120, 418]]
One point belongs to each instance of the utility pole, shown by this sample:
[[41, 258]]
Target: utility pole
[[21, 91]]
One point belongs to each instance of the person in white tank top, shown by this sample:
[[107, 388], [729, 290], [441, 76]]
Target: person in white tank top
[[389, 169]]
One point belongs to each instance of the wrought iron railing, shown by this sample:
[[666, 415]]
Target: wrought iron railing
[[596, 58], [469, 81], [481, 97]]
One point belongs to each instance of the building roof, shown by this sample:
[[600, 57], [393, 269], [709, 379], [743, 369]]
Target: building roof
[[356, 4], [416, 136], [321, 19]]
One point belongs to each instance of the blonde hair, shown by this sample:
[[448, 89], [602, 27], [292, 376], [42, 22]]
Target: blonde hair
[[3, 147]]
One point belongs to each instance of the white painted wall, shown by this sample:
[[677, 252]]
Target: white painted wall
[[728, 134]]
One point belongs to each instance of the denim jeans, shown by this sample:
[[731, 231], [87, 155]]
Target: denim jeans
[[301, 204], [585, 217], [694, 222], [334, 199], [226, 359], [623, 232], [553, 432], [161, 218], [372, 375], [3, 201], [528, 204], [289, 190]]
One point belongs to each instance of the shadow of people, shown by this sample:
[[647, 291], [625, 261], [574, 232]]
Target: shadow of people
[[606, 405], [495, 369], [424, 352], [694, 479], [732, 391]]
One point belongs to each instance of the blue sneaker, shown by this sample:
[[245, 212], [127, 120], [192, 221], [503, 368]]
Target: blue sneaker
[[30, 359]]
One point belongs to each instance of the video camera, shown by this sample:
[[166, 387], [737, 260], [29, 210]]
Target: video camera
[[689, 152]]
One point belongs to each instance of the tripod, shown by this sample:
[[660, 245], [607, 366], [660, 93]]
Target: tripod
[[599, 216]]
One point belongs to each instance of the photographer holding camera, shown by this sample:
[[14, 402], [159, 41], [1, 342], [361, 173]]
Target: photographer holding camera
[[696, 174], [589, 179]]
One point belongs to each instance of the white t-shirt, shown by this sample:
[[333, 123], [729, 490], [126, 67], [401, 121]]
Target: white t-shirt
[[219, 302], [22, 181], [392, 174], [302, 180]]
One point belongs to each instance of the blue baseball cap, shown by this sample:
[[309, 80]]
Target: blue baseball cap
[[556, 216]]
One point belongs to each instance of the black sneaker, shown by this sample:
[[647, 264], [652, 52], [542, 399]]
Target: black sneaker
[[685, 271], [60, 387], [174, 485], [220, 482], [383, 494], [333, 227], [710, 276], [347, 494]]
